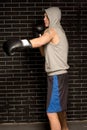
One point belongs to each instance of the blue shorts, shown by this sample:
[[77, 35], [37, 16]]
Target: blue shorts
[[57, 93]]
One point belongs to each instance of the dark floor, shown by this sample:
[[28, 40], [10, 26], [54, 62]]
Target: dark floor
[[82, 125], [77, 125]]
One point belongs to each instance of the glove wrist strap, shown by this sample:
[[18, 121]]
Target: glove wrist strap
[[26, 43]]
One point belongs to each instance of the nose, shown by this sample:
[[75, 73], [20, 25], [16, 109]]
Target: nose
[[44, 18]]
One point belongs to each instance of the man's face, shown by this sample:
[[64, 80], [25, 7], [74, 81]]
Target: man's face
[[46, 20]]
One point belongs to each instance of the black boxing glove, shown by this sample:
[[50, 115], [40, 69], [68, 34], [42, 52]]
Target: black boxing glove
[[10, 46], [38, 29]]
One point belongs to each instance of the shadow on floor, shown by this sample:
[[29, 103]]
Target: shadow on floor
[[77, 125]]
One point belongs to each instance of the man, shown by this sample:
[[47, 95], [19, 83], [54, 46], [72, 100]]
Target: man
[[53, 45]]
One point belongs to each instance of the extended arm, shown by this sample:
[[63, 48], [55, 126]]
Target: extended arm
[[10, 46]]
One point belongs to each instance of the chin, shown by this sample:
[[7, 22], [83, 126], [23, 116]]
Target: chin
[[46, 26]]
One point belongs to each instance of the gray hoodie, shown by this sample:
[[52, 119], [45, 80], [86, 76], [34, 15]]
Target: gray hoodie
[[56, 55]]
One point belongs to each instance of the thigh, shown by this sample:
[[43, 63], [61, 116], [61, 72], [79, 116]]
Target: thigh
[[57, 93]]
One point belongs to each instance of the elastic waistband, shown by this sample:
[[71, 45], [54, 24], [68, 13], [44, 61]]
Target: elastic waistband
[[57, 72]]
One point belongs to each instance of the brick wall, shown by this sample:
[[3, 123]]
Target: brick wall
[[22, 77]]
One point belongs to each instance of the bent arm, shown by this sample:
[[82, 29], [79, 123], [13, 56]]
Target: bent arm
[[40, 41], [41, 50]]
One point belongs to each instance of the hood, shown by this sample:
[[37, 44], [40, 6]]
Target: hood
[[54, 15]]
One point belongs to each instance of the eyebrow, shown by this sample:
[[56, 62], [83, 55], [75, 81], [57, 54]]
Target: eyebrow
[[45, 14]]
